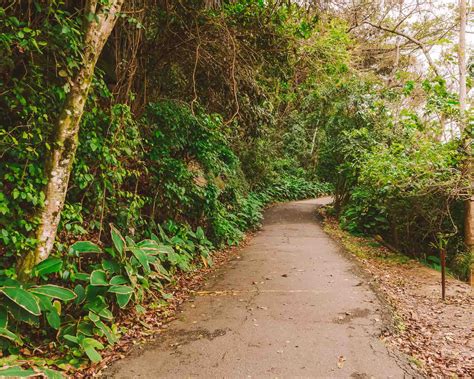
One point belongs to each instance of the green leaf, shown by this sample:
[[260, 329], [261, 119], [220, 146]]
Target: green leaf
[[44, 302], [123, 290], [142, 258], [118, 240], [53, 319], [23, 299], [19, 314], [48, 266], [70, 338], [111, 338], [92, 342], [3, 317], [93, 354], [123, 299], [5, 333], [152, 247], [55, 292], [93, 317], [86, 247], [111, 266], [52, 374], [106, 313], [98, 278], [82, 276], [90, 345], [17, 371], [119, 279], [80, 293]]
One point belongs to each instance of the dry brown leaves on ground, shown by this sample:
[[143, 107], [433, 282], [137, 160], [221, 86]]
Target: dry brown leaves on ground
[[437, 335]]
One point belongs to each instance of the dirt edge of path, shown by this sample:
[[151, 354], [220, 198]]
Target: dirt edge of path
[[437, 336]]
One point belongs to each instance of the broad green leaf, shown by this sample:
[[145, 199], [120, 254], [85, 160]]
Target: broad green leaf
[[92, 354], [3, 317], [123, 299], [93, 317], [80, 293], [123, 290], [111, 266], [48, 266], [44, 302], [52, 374], [53, 319], [85, 328], [20, 314], [98, 278], [142, 258], [55, 292], [70, 338], [160, 249], [86, 247], [111, 338], [119, 279], [16, 372], [92, 342], [82, 276], [23, 299], [90, 345], [5, 333], [106, 313], [118, 240]]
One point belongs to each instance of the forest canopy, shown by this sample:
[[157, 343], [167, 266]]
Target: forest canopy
[[138, 137]]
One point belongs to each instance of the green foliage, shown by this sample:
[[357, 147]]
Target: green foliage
[[118, 277], [397, 178], [186, 136]]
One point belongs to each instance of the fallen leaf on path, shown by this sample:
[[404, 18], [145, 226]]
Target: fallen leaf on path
[[340, 361]]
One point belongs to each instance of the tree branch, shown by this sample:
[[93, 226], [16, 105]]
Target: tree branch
[[415, 41]]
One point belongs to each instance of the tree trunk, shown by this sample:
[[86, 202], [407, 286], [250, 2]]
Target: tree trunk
[[469, 215], [59, 162]]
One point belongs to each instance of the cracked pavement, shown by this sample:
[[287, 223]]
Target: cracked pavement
[[292, 305]]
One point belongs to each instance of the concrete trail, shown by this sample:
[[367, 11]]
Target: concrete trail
[[291, 306]]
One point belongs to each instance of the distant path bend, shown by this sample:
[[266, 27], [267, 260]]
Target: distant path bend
[[291, 306]]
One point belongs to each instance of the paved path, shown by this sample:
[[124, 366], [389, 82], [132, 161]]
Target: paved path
[[292, 306]]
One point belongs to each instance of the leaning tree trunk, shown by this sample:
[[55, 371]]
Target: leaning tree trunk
[[469, 215], [59, 162]]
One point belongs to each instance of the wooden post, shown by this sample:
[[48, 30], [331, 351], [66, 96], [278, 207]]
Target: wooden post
[[443, 273]]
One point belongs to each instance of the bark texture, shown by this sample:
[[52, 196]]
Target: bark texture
[[59, 163]]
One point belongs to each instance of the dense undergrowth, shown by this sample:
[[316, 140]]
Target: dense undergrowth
[[193, 199], [197, 118]]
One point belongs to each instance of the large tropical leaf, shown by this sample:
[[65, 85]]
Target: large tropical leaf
[[17, 372], [118, 240], [20, 314], [90, 345], [98, 278], [23, 299], [153, 247], [86, 247], [124, 290], [55, 292], [119, 279], [123, 299], [142, 258], [3, 317], [48, 266], [53, 319], [5, 333], [52, 374]]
